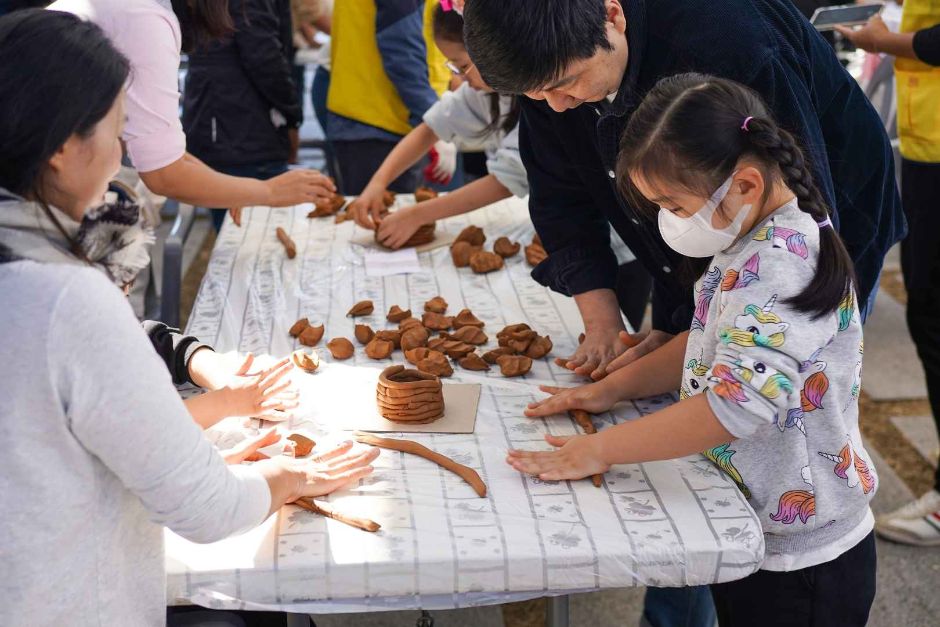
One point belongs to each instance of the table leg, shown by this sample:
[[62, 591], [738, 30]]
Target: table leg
[[556, 612]]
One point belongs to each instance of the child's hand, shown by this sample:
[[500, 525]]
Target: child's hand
[[368, 208], [398, 227], [247, 449], [265, 395], [579, 456], [593, 397]]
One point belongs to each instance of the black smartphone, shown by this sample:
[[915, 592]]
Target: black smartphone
[[826, 18]]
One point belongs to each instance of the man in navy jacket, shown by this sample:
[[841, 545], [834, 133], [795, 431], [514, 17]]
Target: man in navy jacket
[[586, 64]]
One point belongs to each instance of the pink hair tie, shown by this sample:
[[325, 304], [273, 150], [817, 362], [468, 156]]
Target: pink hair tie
[[825, 223], [447, 5], [747, 120]]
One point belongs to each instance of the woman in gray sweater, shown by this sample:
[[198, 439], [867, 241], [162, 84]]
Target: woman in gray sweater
[[100, 451]]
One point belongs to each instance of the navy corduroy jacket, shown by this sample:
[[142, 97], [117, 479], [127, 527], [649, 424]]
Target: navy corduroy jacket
[[765, 44]]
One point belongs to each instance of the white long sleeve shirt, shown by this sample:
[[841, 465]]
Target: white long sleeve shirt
[[99, 454]]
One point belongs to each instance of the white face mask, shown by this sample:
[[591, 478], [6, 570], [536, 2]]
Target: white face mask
[[695, 236]]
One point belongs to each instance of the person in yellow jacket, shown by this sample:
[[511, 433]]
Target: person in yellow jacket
[[917, 67], [386, 72]]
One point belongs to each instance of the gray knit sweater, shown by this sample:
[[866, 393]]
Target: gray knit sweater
[[785, 385]]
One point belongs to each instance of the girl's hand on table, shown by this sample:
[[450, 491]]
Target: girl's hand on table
[[368, 207], [268, 395], [247, 449], [592, 397], [576, 457], [396, 228], [329, 471]]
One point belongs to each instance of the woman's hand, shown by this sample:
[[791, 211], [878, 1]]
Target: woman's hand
[[593, 397], [576, 457], [368, 207], [268, 395], [398, 227], [327, 472], [869, 36], [637, 345], [594, 354], [299, 186]]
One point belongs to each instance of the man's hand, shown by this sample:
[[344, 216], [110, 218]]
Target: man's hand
[[869, 36], [637, 345], [594, 354]]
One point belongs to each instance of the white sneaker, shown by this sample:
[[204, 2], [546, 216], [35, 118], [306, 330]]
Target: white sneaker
[[922, 531], [929, 502]]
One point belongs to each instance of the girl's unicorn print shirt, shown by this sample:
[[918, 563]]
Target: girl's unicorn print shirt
[[786, 386]]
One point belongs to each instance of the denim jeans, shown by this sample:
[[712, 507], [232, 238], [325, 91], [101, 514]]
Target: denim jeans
[[678, 607]]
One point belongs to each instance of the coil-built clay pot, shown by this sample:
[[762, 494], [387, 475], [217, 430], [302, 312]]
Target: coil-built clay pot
[[405, 395]]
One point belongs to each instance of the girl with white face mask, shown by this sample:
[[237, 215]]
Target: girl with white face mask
[[768, 372]]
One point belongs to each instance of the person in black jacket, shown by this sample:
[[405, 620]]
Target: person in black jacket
[[241, 111], [585, 64]]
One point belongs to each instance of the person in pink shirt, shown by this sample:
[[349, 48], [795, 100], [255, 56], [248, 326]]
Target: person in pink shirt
[[152, 34]]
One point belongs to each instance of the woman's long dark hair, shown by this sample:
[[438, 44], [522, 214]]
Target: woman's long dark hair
[[688, 132], [202, 21], [60, 77], [448, 25]]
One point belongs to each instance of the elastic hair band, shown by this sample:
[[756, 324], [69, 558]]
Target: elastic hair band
[[447, 5], [746, 122], [825, 223]]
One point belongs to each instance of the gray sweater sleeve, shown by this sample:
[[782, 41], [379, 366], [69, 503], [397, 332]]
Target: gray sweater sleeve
[[125, 411]]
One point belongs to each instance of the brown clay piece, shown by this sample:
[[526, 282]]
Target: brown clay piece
[[483, 261], [414, 337], [327, 510], [303, 445], [289, 246], [424, 193], [408, 323], [397, 314], [514, 365], [424, 235], [436, 321], [326, 208], [466, 319], [435, 363], [390, 335], [414, 355], [388, 198], [460, 252], [540, 346], [456, 349], [472, 361], [379, 348], [298, 327], [470, 335], [436, 305], [362, 308], [340, 348], [584, 421], [473, 235], [364, 333], [535, 253], [505, 248], [311, 336], [490, 357], [307, 363], [518, 340]]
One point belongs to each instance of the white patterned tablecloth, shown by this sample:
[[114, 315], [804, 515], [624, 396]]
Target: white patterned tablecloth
[[666, 523]]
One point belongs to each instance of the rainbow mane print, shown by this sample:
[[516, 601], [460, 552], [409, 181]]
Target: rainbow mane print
[[846, 311], [721, 457], [740, 335], [726, 385], [710, 283], [811, 396], [782, 237], [749, 273], [852, 468], [795, 504]]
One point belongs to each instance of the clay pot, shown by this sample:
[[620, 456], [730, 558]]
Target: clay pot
[[473, 235], [404, 395], [540, 346], [466, 319], [470, 335], [379, 348], [483, 261], [490, 357], [436, 305], [473, 361], [505, 248], [298, 327], [362, 308], [514, 365], [437, 322], [307, 363], [311, 336], [303, 445], [364, 333], [397, 314], [340, 348], [460, 252], [424, 193]]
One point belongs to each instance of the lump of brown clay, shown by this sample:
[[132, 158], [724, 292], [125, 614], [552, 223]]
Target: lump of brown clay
[[470, 335], [388, 198], [472, 361], [307, 363], [437, 343], [397, 314], [512, 328], [436, 321], [520, 340], [298, 327], [466, 319], [424, 193], [379, 348], [424, 235], [404, 395], [414, 337], [390, 335], [535, 253], [414, 355], [456, 349], [473, 235], [540, 346], [362, 308], [490, 357], [311, 336], [408, 323], [436, 363], [340, 348], [436, 305], [289, 246], [460, 252], [514, 365], [326, 208], [303, 445], [483, 261], [364, 333], [505, 248]]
